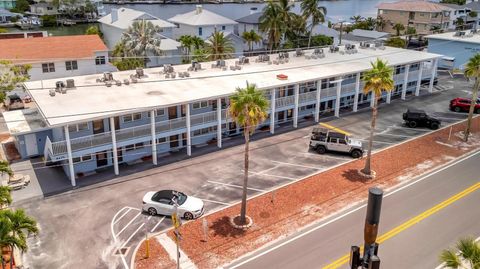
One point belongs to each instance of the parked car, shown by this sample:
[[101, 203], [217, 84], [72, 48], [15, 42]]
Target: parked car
[[415, 118], [162, 203], [14, 101], [323, 140], [463, 104]]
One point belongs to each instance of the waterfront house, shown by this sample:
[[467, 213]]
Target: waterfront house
[[57, 56], [424, 16], [41, 8], [103, 120], [117, 22], [6, 16], [457, 47], [8, 4], [248, 23]]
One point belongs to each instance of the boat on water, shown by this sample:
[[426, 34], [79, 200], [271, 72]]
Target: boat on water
[[29, 23]]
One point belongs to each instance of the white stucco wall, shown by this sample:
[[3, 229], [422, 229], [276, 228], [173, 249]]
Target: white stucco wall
[[207, 30]]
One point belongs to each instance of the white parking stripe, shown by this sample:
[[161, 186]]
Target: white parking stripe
[[132, 235], [299, 165], [405, 136], [263, 174], [324, 156], [128, 224], [123, 215], [405, 128], [447, 118], [234, 186], [156, 225], [376, 141], [215, 202]]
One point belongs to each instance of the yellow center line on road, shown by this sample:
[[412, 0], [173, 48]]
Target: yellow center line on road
[[333, 128], [344, 259]]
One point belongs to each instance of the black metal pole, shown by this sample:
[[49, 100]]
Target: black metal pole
[[372, 220]]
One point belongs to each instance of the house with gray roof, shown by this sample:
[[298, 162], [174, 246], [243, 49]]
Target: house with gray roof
[[248, 23]]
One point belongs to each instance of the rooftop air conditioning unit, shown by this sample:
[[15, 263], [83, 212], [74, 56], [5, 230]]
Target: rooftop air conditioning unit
[[59, 85], [108, 76], [70, 83], [139, 72]]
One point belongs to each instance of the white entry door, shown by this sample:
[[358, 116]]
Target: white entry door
[[31, 144]]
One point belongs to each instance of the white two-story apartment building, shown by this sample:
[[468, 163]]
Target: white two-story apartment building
[[104, 120], [58, 56]]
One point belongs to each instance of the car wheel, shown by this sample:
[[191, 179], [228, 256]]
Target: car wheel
[[152, 211], [356, 154], [477, 111], [457, 109], [434, 126], [321, 150], [412, 124], [188, 215]]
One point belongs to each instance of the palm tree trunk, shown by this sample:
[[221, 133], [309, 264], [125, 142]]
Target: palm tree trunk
[[310, 35], [367, 169], [243, 210], [472, 108]]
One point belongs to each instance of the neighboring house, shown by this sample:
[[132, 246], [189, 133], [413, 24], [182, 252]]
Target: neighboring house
[[248, 23], [6, 16], [456, 13], [58, 56], [365, 35], [473, 6], [23, 34], [203, 23], [8, 4], [326, 31], [117, 22], [457, 50], [421, 15], [43, 8], [99, 125]]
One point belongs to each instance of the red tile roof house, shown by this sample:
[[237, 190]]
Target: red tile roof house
[[58, 56]]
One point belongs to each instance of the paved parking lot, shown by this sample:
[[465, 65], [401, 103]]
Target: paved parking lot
[[87, 227]]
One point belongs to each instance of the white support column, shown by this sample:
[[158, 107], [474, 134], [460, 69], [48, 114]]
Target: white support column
[[434, 72], [70, 158], [154, 137], [219, 122], [189, 138], [419, 80], [272, 110], [114, 146], [357, 92], [295, 110], [337, 100], [405, 81], [389, 97], [317, 103]]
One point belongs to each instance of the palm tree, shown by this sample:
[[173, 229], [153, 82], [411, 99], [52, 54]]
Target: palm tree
[[356, 19], [219, 47], [380, 24], [472, 70], [467, 252], [142, 37], [248, 108], [197, 42], [398, 27], [371, 22], [377, 80], [411, 31], [251, 37], [272, 23], [5, 196], [9, 241], [296, 30], [5, 168], [311, 10], [187, 42]]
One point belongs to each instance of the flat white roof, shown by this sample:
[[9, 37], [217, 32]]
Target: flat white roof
[[91, 99], [24, 121], [475, 38]]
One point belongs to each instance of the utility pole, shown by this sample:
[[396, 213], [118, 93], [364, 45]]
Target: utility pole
[[176, 224]]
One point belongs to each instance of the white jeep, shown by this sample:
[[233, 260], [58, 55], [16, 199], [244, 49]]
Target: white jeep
[[323, 140]]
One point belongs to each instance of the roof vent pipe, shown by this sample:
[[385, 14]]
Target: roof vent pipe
[[198, 9]]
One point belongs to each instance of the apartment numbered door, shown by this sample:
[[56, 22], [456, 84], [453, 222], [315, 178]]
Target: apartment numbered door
[[172, 112], [120, 155], [31, 144], [281, 116], [173, 141], [102, 158], [98, 126]]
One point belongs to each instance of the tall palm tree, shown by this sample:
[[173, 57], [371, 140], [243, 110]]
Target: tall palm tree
[[296, 30], [311, 10], [380, 24], [465, 255], [472, 70], [197, 42], [273, 24], [141, 38], [5, 196], [5, 168], [187, 42], [219, 47], [377, 80], [398, 28], [248, 108], [9, 241], [356, 19], [251, 37], [371, 22]]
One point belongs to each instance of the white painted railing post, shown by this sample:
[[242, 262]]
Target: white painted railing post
[[295, 110], [114, 146], [419, 80], [337, 100], [70, 158], [272, 110], [317, 101], [189, 138], [405, 81], [154, 137], [357, 92], [219, 122]]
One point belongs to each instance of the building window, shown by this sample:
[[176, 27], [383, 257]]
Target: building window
[[205, 131], [48, 67], [133, 146], [159, 112], [223, 27], [71, 65], [83, 158], [200, 31], [78, 127], [199, 105], [132, 117], [99, 60]]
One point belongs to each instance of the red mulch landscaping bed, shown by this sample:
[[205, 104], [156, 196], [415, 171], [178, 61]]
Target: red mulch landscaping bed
[[296, 205], [158, 257]]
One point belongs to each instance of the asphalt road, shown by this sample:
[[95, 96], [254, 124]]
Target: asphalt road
[[85, 227], [418, 246]]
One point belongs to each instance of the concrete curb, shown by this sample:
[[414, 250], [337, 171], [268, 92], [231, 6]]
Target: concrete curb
[[333, 167]]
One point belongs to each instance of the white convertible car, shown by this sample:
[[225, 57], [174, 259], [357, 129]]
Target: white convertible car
[[161, 202]]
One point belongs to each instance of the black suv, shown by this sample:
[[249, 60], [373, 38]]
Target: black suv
[[414, 118]]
